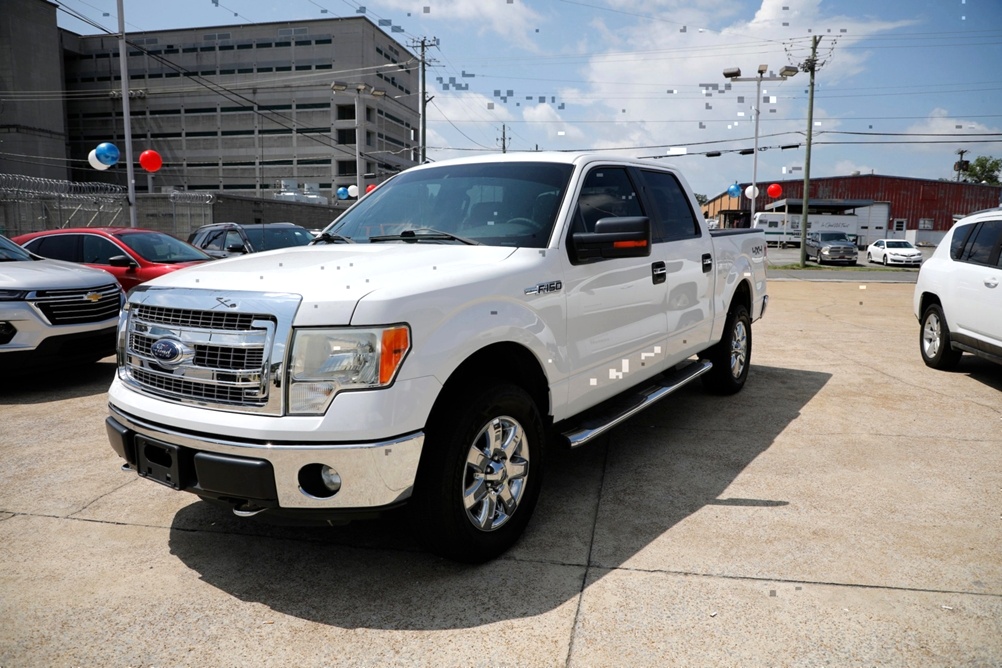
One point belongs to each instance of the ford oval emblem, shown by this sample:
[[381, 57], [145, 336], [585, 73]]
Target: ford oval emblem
[[167, 351]]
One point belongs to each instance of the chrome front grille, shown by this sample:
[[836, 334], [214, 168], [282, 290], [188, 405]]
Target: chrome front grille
[[207, 348], [78, 306]]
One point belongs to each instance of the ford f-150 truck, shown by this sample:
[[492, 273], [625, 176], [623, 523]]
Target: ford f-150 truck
[[433, 343]]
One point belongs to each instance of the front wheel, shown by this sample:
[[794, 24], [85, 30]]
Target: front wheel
[[480, 474], [731, 356], [934, 340]]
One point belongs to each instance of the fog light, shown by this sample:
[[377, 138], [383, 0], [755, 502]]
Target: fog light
[[331, 479], [7, 332], [319, 481]]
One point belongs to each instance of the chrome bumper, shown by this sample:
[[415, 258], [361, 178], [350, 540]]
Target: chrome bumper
[[372, 474]]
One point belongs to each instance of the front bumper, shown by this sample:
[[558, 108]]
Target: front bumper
[[907, 261], [269, 475], [840, 256]]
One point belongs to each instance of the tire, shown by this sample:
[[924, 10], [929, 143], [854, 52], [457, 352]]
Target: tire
[[492, 446], [885, 260], [934, 340], [817, 257], [731, 356], [869, 258]]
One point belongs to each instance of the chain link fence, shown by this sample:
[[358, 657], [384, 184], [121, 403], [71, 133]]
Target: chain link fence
[[31, 204]]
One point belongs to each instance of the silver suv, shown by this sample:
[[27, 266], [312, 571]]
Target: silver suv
[[958, 296], [54, 313]]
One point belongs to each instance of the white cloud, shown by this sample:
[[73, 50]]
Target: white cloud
[[515, 21], [546, 117]]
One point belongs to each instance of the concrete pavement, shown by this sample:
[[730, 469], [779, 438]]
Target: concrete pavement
[[844, 509]]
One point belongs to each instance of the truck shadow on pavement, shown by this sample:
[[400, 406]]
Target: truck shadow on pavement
[[39, 387], [601, 505]]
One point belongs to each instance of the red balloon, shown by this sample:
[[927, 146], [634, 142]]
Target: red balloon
[[775, 190], [150, 160], [369, 188]]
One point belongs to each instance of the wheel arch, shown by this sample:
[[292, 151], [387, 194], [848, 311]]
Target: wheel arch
[[508, 362]]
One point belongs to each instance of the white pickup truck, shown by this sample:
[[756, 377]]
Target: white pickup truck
[[434, 343]]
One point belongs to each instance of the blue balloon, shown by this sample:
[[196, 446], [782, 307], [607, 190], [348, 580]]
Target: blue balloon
[[107, 153], [734, 190], [342, 193]]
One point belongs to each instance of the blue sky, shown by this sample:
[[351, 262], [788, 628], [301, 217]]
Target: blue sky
[[904, 84]]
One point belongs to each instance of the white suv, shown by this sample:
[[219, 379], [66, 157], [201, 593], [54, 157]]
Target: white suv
[[53, 314], [958, 296]]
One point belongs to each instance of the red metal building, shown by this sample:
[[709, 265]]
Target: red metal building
[[923, 204]]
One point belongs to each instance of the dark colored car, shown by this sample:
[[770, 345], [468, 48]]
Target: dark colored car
[[226, 239], [132, 255]]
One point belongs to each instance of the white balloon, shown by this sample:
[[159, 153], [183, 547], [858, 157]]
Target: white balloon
[[751, 192], [94, 162], [353, 190]]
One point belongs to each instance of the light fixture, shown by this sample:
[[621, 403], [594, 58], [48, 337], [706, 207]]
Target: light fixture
[[732, 72], [788, 71], [338, 86]]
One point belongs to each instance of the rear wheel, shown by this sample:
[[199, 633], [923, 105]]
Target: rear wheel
[[934, 340], [731, 356], [480, 474]]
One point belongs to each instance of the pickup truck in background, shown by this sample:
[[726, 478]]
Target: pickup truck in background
[[434, 343]]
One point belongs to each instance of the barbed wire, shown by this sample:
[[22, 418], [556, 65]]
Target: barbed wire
[[19, 185]]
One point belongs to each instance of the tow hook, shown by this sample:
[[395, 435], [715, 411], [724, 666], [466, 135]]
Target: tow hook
[[247, 510]]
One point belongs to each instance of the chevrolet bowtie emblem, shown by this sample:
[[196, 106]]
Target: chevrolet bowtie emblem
[[93, 296]]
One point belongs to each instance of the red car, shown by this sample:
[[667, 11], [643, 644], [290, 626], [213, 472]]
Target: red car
[[132, 255]]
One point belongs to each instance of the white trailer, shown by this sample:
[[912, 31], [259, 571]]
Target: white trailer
[[782, 228]]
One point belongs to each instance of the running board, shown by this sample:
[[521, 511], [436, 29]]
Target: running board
[[607, 415]]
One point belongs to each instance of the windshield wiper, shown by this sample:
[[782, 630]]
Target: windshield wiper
[[329, 238], [427, 234]]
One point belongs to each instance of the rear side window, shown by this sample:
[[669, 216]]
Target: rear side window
[[674, 218], [58, 247], [978, 243]]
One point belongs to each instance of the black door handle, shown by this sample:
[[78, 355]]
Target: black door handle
[[659, 272]]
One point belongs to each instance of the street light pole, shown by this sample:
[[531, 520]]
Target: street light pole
[[358, 89], [734, 74]]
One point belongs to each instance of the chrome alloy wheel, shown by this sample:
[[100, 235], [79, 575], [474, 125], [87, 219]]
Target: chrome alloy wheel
[[497, 466], [739, 349], [932, 335]]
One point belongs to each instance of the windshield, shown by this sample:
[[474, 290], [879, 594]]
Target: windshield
[[270, 238], [833, 236], [10, 251], [159, 247], [899, 244], [497, 204]]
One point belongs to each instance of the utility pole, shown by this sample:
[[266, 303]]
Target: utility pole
[[959, 166], [810, 65], [423, 44], [130, 170], [504, 138]]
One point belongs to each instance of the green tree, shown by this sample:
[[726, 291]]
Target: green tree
[[985, 169], [701, 198]]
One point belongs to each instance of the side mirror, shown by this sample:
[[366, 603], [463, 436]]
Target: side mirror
[[236, 248], [613, 238], [122, 261]]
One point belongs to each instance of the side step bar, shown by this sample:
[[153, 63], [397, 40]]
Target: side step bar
[[605, 416]]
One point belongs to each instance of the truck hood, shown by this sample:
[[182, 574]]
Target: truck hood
[[332, 278]]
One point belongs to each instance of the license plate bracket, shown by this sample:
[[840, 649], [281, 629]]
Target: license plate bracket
[[160, 462]]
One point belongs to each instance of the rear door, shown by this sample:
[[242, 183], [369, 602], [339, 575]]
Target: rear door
[[689, 264], [978, 285]]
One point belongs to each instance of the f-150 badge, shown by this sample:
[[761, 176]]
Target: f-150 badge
[[543, 288]]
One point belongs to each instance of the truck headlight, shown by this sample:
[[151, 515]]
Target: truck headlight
[[327, 361]]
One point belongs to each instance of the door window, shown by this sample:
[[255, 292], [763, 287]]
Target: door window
[[58, 247], [607, 192], [674, 217], [98, 250]]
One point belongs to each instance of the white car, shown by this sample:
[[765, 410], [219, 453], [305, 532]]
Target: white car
[[54, 314], [958, 296], [893, 251]]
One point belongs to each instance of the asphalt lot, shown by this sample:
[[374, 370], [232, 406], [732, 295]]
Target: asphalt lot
[[845, 509]]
